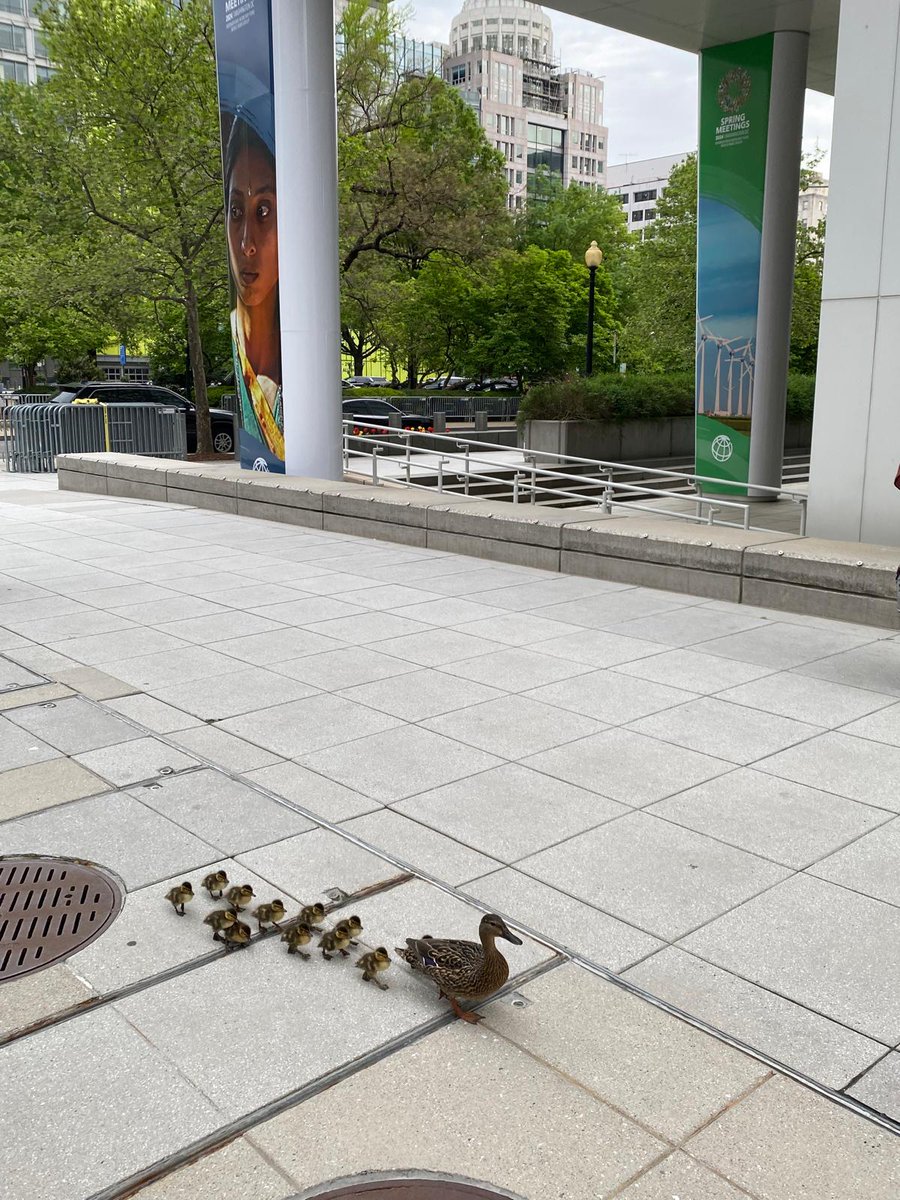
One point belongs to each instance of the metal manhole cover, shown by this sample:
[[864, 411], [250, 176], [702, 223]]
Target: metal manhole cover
[[50, 907], [412, 1189]]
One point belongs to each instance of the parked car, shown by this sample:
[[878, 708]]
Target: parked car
[[505, 383], [366, 381], [446, 381], [107, 392], [378, 412]]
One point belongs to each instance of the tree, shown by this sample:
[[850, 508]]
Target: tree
[[558, 218], [807, 299], [127, 141]]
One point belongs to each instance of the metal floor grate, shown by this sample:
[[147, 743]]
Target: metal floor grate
[[49, 908]]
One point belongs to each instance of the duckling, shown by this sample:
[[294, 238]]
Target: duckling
[[215, 884], [221, 919], [312, 914], [373, 962], [356, 929], [297, 936], [336, 939], [270, 914], [238, 934], [239, 897], [179, 896]]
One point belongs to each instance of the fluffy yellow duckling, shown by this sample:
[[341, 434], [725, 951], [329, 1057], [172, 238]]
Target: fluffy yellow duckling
[[356, 929], [336, 939], [270, 914], [373, 962], [312, 914], [238, 934], [179, 896], [216, 883], [296, 937], [239, 897], [221, 919]]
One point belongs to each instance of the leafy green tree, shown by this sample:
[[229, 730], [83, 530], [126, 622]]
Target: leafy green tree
[[559, 218], [807, 300]]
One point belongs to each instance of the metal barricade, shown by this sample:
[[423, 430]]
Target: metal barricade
[[37, 433]]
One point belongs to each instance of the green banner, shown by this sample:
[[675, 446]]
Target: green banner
[[735, 82]]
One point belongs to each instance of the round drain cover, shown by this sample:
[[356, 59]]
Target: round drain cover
[[412, 1189], [49, 908]]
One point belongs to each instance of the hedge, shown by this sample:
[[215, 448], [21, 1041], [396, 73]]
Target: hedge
[[635, 397]]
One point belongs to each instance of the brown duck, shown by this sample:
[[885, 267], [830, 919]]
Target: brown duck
[[463, 970]]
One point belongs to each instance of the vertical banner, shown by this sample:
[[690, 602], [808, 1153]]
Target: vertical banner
[[243, 30], [735, 82]]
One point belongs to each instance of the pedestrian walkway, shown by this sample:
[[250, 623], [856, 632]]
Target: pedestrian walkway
[[693, 798]]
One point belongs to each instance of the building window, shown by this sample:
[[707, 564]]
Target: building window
[[12, 37], [458, 75], [14, 72], [44, 73], [623, 197], [599, 166], [476, 41], [519, 178], [40, 46], [13, 6], [464, 46], [649, 214], [637, 215], [650, 194], [508, 42], [545, 149], [490, 41]]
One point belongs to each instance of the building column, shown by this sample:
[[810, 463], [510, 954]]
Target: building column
[[856, 429], [777, 257], [306, 141]]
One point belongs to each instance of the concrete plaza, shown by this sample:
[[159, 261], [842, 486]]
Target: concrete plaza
[[696, 796]]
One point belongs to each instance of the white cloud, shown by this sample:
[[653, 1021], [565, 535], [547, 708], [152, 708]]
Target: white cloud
[[651, 90]]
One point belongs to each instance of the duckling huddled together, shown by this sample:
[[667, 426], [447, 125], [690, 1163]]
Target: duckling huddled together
[[298, 933]]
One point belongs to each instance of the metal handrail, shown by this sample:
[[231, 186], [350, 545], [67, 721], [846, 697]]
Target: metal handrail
[[606, 501]]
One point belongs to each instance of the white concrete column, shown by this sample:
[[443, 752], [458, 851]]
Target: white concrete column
[[306, 149], [856, 431], [777, 254]]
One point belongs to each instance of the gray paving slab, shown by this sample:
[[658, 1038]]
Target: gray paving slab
[[598, 611], [73, 625], [448, 610], [222, 811], [782, 645], [31, 998], [600, 937], [29, 789], [426, 693], [223, 749], [628, 766], [307, 610], [803, 698], [232, 1173], [694, 670], [346, 586], [713, 726], [421, 845], [332, 670], [319, 1014], [102, 648], [324, 797], [505, 1121], [151, 713], [849, 766], [789, 1032], [218, 627], [369, 627], [13, 675], [510, 811], [868, 865], [875, 666], [151, 671], [513, 726], [476, 581], [240, 690], [94, 684], [149, 937], [656, 1069], [516, 670], [880, 1087], [786, 822], [611, 697], [818, 944], [74, 725], [275, 648], [399, 763], [599, 648], [883, 726], [176, 608], [114, 830], [538, 593], [20, 747], [303, 726], [681, 1176], [665, 879], [312, 863], [119, 1105], [521, 629], [686, 626], [829, 1154], [134, 761], [437, 648]]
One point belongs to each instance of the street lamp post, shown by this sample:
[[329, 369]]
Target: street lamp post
[[593, 257]]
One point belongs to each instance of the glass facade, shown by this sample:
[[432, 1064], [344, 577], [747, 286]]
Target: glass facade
[[546, 148], [12, 37]]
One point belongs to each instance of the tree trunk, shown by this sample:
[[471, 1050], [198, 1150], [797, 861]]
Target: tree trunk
[[198, 369], [29, 376], [412, 372]]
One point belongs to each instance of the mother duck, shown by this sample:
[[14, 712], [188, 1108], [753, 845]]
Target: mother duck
[[463, 970]]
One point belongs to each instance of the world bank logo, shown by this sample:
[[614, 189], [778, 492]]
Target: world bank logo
[[734, 90], [722, 448], [260, 464]]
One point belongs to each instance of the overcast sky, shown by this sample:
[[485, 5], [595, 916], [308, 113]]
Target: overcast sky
[[651, 90]]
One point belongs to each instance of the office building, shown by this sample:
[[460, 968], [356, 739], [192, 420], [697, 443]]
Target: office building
[[534, 112], [813, 205], [23, 55], [639, 186]]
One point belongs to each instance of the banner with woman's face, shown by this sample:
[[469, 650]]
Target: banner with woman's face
[[247, 114]]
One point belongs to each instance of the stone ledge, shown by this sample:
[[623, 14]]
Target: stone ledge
[[842, 580]]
